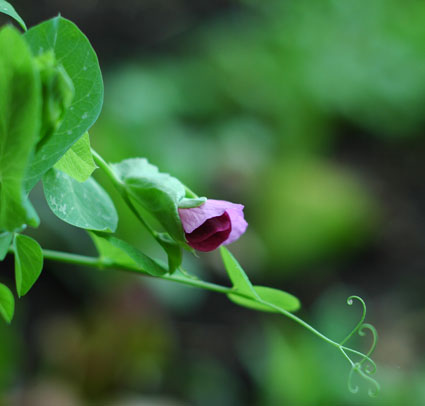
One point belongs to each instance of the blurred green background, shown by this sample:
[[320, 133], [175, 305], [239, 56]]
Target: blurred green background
[[312, 114]]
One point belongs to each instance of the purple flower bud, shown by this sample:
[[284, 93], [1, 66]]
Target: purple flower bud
[[212, 224]]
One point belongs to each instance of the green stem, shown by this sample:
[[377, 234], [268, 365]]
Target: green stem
[[101, 163], [100, 263], [73, 259]]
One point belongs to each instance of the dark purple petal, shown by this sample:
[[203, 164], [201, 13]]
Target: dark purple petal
[[211, 234]]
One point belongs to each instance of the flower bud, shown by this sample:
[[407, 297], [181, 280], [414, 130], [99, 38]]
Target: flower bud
[[214, 223]]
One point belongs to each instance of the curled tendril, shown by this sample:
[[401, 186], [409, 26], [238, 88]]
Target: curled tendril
[[373, 391], [366, 366], [362, 318], [351, 388], [364, 358], [372, 329]]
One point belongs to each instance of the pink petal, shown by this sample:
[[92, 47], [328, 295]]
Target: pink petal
[[196, 216], [239, 224]]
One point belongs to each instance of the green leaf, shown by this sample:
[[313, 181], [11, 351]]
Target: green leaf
[[242, 284], [85, 205], [78, 161], [123, 254], [8, 9], [7, 303], [276, 297], [5, 240], [158, 193], [237, 275], [20, 109], [74, 52], [173, 250], [28, 263]]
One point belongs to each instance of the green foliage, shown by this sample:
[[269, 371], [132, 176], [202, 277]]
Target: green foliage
[[255, 297], [19, 118], [237, 275], [120, 253], [8, 9], [7, 303], [85, 205], [28, 263], [74, 53], [78, 160], [277, 297], [173, 250], [158, 193], [5, 240]]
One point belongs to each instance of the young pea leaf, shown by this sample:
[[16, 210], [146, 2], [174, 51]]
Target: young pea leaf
[[158, 193], [78, 160], [20, 109], [85, 205], [237, 275], [7, 303], [121, 253], [5, 240], [276, 297], [8, 9], [74, 52], [173, 250], [28, 263]]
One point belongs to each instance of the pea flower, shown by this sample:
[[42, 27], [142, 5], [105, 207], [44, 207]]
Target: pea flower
[[214, 223]]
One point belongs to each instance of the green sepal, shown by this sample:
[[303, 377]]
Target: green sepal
[[189, 203]]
